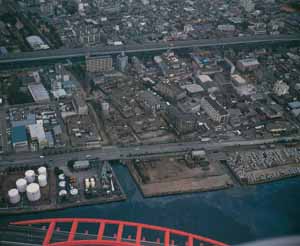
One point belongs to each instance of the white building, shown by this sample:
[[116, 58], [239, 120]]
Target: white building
[[38, 92], [281, 88], [37, 133], [248, 5]]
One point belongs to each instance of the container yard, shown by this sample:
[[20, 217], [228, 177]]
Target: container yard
[[32, 188], [259, 166]]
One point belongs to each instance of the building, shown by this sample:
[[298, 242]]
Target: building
[[38, 92], [37, 133], [281, 88], [36, 43], [148, 101], [214, 110], [80, 105], [19, 138], [181, 122], [193, 89], [122, 62], [95, 64], [170, 91], [105, 109], [248, 5], [249, 64]]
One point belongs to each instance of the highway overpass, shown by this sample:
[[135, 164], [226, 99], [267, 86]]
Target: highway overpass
[[48, 55]]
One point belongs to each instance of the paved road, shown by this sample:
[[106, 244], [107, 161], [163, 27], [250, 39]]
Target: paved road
[[133, 152], [106, 50]]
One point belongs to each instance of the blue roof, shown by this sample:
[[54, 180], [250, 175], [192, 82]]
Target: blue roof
[[19, 134], [3, 51], [294, 105]]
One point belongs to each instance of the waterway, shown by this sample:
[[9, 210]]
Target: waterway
[[235, 215]]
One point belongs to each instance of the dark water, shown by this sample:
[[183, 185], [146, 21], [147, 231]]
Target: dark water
[[232, 216]]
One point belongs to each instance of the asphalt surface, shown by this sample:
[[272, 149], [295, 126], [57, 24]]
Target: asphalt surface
[[140, 151], [109, 50]]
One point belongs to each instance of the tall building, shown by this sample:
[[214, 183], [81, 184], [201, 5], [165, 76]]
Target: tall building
[[122, 62], [248, 5], [95, 64], [80, 104]]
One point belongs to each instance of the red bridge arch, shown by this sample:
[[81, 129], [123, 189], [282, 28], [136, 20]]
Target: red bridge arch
[[118, 239]]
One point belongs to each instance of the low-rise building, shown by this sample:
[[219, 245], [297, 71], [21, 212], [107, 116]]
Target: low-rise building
[[38, 92], [249, 64], [281, 88], [37, 133], [19, 138], [182, 122], [214, 110], [170, 91]]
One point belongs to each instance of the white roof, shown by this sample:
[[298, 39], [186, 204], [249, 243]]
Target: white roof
[[36, 43], [249, 62], [239, 79], [37, 131], [204, 78], [38, 92], [193, 88]]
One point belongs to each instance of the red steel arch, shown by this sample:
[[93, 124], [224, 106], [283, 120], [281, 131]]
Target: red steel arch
[[191, 239]]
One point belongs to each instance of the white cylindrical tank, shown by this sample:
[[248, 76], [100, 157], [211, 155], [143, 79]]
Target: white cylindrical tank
[[33, 192], [62, 193], [62, 184], [21, 185], [42, 170], [61, 176], [42, 178], [14, 196], [30, 176], [74, 192]]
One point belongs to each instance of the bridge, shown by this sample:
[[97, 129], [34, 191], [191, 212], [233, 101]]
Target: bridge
[[49, 232], [65, 53]]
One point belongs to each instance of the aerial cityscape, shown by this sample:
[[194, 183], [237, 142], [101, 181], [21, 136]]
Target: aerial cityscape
[[180, 97]]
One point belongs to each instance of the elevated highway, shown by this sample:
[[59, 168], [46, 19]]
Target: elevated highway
[[48, 55]]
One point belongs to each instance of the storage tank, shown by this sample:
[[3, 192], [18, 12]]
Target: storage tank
[[62, 184], [30, 176], [87, 183], [42, 170], [42, 178], [92, 180], [74, 192], [21, 185], [14, 196], [33, 192], [61, 176], [62, 193]]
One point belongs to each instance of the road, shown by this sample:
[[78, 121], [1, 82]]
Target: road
[[140, 151], [148, 47]]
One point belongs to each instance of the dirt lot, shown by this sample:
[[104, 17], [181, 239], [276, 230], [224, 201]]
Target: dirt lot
[[173, 175]]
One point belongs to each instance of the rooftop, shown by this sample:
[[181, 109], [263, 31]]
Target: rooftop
[[19, 134]]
